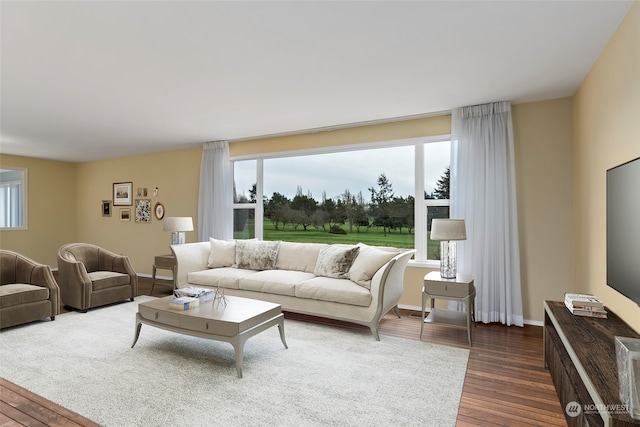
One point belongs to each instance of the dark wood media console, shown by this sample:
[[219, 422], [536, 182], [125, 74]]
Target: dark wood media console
[[581, 357]]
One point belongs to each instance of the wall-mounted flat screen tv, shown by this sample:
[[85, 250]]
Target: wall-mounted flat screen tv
[[623, 229]]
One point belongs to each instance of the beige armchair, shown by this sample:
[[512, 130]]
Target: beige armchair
[[90, 276], [28, 290]]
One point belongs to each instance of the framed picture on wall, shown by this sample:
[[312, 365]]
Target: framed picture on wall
[[106, 208], [143, 210], [125, 214], [122, 193]]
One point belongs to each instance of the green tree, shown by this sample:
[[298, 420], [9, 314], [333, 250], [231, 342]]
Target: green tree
[[277, 210], [443, 185], [380, 203]]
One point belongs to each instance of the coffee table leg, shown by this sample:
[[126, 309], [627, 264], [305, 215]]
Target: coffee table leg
[[137, 332], [238, 347], [281, 329]]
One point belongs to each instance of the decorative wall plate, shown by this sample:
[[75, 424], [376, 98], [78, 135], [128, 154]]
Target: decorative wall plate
[[159, 210]]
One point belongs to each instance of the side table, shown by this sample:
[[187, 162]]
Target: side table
[[459, 289], [164, 262]]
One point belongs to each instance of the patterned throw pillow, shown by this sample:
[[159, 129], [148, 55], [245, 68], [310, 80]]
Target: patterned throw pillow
[[335, 261], [256, 254]]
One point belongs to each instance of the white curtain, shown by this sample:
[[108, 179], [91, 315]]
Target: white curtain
[[215, 211], [483, 193]]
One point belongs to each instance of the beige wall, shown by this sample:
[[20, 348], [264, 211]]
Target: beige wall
[[51, 208], [175, 173], [607, 133], [430, 126], [544, 174]]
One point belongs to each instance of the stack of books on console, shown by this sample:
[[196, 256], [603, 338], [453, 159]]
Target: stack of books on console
[[201, 294], [585, 305], [183, 303]]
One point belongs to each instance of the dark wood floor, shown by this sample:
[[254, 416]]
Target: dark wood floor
[[506, 383]]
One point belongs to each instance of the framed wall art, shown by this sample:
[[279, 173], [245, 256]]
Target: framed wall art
[[106, 208], [122, 193], [125, 214], [158, 210], [143, 210]]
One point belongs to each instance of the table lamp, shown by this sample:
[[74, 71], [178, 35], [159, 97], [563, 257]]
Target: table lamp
[[177, 225], [448, 231]]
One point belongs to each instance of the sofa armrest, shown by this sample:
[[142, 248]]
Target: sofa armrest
[[190, 257], [388, 282]]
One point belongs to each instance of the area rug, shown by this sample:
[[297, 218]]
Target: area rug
[[328, 376]]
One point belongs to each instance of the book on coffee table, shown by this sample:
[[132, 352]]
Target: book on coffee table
[[183, 303], [202, 294]]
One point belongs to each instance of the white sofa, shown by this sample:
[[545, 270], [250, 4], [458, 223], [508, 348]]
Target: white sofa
[[355, 283]]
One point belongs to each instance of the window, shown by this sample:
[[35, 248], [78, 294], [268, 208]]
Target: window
[[364, 193], [13, 200]]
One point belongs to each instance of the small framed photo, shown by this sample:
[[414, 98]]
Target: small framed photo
[[106, 208], [125, 214], [158, 210], [143, 210], [122, 193]]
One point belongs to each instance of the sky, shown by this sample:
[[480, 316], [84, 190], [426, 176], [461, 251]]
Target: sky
[[335, 172]]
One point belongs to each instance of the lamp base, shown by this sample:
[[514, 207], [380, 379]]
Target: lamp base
[[448, 259], [177, 238]]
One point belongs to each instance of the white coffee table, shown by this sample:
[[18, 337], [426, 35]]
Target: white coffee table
[[235, 322]]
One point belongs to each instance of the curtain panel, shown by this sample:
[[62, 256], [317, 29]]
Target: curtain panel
[[215, 211], [483, 193]]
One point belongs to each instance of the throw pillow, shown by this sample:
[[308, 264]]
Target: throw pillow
[[368, 262], [222, 254], [256, 254], [335, 261]]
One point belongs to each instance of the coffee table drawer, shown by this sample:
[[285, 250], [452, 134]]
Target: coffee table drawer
[[161, 316]]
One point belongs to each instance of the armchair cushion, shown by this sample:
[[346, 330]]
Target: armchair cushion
[[21, 293], [107, 279]]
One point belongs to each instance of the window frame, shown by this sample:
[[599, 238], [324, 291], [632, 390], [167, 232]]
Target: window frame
[[23, 212], [420, 209]]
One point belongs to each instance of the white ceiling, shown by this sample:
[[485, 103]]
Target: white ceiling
[[92, 80]]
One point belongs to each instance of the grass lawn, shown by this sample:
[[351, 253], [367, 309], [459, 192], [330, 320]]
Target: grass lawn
[[373, 236]]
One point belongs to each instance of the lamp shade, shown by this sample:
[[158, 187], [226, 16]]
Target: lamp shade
[[178, 223], [448, 229]]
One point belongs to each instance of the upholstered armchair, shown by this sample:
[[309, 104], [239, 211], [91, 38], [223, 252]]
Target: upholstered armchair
[[28, 290], [90, 276]]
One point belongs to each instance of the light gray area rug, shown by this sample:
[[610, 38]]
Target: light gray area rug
[[328, 376]]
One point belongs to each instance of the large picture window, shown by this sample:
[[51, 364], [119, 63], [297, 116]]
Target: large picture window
[[365, 193]]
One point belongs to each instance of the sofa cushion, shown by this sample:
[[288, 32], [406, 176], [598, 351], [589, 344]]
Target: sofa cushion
[[294, 256], [225, 277], [256, 254], [107, 279], [334, 290], [222, 254], [368, 262], [335, 260], [274, 281], [21, 293]]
